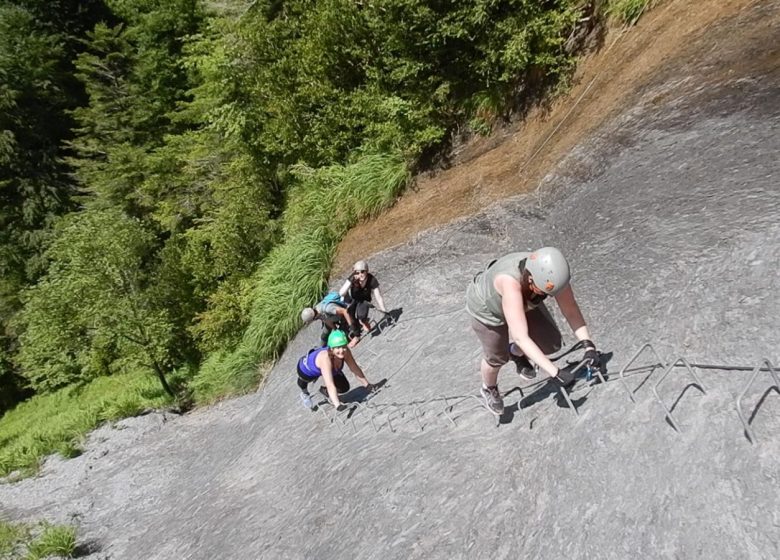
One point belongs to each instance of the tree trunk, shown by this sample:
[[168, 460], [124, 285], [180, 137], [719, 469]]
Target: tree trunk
[[161, 376]]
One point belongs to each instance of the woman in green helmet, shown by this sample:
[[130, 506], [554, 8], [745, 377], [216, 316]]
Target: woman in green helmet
[[506, 304], [328, 362]]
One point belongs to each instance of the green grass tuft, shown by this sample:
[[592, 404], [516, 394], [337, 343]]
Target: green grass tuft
[[20, 541], [12, 538], [54, 540], [57, 422], [628, 11]]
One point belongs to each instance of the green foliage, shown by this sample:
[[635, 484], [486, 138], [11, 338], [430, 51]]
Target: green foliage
[[220, 157], [57, 422], [326, 77], [54, 540], [628, 11], [117, 290], [20, 541], [12, 536], [323, 206], [134, 78], [95, 310], [36, 91]]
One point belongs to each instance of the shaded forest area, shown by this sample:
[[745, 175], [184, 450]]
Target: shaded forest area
[[174, 175]]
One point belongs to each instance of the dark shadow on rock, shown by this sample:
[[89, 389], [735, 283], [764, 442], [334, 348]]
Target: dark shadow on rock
[[509, 414], [760, 402], [682, 394], [667, 419], [550, 388], [360, 394], [606, 357], [388, 320], [538, 395], [561, 402], [509, 411], [86, 548]]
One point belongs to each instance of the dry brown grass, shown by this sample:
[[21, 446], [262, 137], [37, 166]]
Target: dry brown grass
[[516, 159]]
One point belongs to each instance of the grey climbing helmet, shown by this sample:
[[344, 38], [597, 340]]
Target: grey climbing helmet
[[549, 269], [360, 266], [307, 315]]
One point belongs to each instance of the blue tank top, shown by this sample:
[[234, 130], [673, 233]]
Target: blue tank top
[[308, 363]]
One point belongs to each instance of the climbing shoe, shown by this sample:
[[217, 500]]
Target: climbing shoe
[[493, 400], [306, 400], [524, 367]]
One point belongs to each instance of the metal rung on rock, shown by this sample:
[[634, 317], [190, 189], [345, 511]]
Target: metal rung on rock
[[697, 383], [748, 431], [397, 331], [622, 376], [566, 397]]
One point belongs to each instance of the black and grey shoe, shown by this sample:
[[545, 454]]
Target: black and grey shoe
[[493, 400], [524, 367]]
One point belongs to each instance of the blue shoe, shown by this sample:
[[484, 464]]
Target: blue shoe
[[306, 400]]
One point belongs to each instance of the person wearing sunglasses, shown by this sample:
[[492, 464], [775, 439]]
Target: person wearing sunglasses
[[328, 363], [506, 304], [359, 289]]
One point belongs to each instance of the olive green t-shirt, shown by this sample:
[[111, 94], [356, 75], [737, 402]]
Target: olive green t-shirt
[[483, 302]]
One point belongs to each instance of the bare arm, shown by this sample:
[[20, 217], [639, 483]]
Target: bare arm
[[349, 359], [514, 312], [571, 311], [380, 302], [323, 362], [343, 312], [344, 290]]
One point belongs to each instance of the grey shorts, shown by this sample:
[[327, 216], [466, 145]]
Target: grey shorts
[[495, 340]]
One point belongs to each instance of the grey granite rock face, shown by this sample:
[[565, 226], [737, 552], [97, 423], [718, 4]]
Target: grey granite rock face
[[671, 219]]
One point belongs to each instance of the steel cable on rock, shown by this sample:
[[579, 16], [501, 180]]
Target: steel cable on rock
[[415, 404]]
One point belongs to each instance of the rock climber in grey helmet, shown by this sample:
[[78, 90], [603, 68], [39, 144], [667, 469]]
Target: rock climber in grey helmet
[[358, 290], [506, 304], [333, 314]]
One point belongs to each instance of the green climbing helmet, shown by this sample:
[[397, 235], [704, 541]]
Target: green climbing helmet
[[337, 338]]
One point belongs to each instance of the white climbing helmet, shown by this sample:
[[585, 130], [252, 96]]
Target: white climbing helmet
[[549, 269], [307, 315], [360, 266]]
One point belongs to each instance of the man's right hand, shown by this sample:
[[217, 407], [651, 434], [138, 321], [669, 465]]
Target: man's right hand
[[591, 354], [566, 376]]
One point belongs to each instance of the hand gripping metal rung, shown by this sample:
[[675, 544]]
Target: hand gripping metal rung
[[565, 394]]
